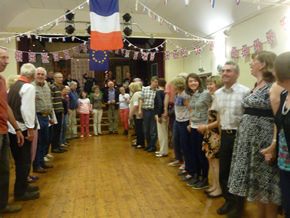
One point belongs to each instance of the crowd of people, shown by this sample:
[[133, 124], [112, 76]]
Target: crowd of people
[[239, 135]]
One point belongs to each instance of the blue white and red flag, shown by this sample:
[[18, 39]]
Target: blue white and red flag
[[270, 37], [45, 58], [257, 45], [135, 57], [55, 56], [66, 54], [31, 57], [166, 55], [183, 53], [175, 54], [18, 56], [197, 49], [234, 52], [76, 50], [244, 51], [152, 56]]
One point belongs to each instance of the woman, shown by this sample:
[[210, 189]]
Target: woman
[[124, 100], [199, 103], [135, 88], [212, 139], [96, 100], [282, 121], [250, 175]]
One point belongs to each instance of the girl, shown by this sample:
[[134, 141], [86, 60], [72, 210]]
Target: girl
[[124, 100], [96, 101], [84, 110]]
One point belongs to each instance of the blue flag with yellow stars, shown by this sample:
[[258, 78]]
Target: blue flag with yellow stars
[[99, 60]]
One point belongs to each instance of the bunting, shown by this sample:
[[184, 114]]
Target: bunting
[[244, 51], [45, 58], [152, 56], [66, 54], [234, 52], [166, 55], [183, 53], [18, 56], [31, 57], [270, 37], [76, 50], [175, 54], [257, 45], [135, 57], [55, 56]]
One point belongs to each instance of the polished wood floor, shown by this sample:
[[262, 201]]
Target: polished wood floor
[[104, 176]]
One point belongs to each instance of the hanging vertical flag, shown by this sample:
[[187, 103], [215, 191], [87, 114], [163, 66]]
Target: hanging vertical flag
[[105, 25], [165, 2], [31, 57], [234, 52], [18, 56], [135, 57], [284, 22], [127, 53], [186, 2], [122, 51], [66, 54], [152, 56], [99, 60], [76, 50], [55, 56], [63, 39], [197, 49], [270, 37], [244, 51], [84, 47], [50, 40], [166, 55], [183, 53], [45, 58], [145, 56], [257, 45], [211, 46], [161, 21], [238, 2], [117, 51], [144, 9], [212, 3], [175, 54]]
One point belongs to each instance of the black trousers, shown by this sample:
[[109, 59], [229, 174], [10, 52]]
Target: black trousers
[[139, 131], [226, 151], [22, 158], [56, 131]]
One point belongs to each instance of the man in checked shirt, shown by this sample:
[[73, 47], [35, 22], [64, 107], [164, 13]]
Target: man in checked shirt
[[147, 102]]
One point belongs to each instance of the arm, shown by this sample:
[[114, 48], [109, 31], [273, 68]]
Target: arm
[[274, 93], [140, 107], [12, 121], [133, 111], [166, 102], [186, 102]]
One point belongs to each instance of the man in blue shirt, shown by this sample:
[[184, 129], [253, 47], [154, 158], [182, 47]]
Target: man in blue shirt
[[73, 104]]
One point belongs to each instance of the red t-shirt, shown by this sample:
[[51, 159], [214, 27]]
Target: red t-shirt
[[169, 90], [3, 107]]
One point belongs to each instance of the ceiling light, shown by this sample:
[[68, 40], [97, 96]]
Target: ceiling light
[[127, 17], [89, 30], [70, 29], [127, 31], [69, 16]]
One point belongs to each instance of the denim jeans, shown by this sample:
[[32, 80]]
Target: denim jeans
[[63, 129], [150, 128], [4, 170], [176, 142], [42, 142]]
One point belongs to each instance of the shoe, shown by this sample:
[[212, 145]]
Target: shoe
[[125, 132], [181, 173], [89, 135], [214, 196], [110, 132], [134, 145], [69, 138], [194, 181], [146, 148], [186, 179], [134, 134], [30, 180], [235, 213], [96, 134], [46, 166], [32, 189], [139, 146], [67, 143], [182, 167], [116, 132], [64, 150], [225, 208], [27, 196], [151, 150], [40, 170], [11, 209], [57, 150], [207, 191], [157, 152], [100, 133], [49, 156], [46, 159], [63, 146], [82, 136], [201, 184], [161, 155], [34, 177], [176, 163]]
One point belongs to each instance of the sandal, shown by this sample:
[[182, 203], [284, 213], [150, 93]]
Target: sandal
[[34, 177], [30, 180]]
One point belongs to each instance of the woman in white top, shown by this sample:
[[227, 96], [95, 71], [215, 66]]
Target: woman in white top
[[124, 100]]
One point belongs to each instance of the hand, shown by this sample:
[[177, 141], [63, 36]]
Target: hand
[[140, 113], [113, 102], [201, 128], [165, 115], [130, 117], [93, 112], [189, 128], [69, 112], [269, 153], [51, 121], [159, 120], [124, 97], [108, 102], [20, 138], [30, 135]]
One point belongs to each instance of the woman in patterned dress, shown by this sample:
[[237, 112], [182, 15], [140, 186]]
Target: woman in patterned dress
[[251, 176], [212, 139]]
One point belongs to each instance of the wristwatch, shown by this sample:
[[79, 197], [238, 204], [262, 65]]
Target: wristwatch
[[17, 130]]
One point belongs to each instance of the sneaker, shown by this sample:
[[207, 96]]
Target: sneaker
[[49, 156], [11, 209], [182, 167], [201, 184], [89, 135], [161, 155], [125, 132], [194, 181], [82, 136], [27, 196], [175, 163], [46, 159], [63, 146]]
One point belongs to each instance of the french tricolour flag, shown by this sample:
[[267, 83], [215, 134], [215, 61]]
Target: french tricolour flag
[[105, 25]]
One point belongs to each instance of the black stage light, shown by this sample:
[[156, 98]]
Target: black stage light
[[127, 17], [127, 31], [69, 29], [69, 16], [89, 30]]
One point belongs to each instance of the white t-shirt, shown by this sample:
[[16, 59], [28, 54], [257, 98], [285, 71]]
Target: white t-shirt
[[123, 101]]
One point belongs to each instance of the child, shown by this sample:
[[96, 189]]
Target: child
[[124, 100], [84, 110], [96, 101]]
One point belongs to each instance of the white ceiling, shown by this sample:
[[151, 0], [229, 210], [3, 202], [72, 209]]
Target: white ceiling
[[198, 18]]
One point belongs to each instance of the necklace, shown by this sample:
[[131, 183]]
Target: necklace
[[284, 110], [257, 85]]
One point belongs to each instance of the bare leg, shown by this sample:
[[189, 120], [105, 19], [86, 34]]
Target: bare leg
[[212, 172], [216, 168]]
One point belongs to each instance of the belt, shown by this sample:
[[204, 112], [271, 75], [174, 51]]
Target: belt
[[149, 109], [230, 131], [259, 112], [41, 114]]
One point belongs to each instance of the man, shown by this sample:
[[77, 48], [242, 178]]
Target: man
[[90, 82], [21, 99], [45, 116], [58, 109], [49, 79], [68, 81], [227, 103], [111, 98], [6, 114], [73, 104], [147, 102]]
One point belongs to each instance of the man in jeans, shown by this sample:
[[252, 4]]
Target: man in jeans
[[147, 102]]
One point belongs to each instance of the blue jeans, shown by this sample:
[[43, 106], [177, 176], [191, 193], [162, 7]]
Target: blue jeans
[[176, 142], [284, 184], [63, 129], [150, 128], [42, 142], [4, 170]]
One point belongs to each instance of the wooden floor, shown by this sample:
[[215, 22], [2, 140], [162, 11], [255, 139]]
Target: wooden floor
[[104, 176]]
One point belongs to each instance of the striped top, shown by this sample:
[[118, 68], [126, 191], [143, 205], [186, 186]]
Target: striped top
[[56, 98], [43, 98]]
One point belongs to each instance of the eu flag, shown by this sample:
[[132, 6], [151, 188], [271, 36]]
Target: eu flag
[[99, 60]]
